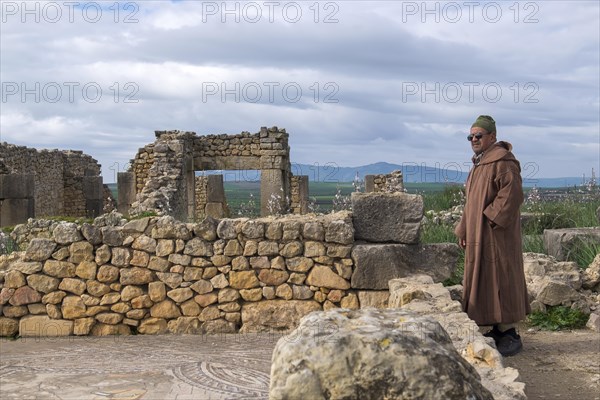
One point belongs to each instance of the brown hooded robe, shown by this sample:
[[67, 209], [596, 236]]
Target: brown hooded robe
[[494, 289]]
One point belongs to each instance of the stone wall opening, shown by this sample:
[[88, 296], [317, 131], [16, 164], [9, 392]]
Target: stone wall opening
[[164, 171]]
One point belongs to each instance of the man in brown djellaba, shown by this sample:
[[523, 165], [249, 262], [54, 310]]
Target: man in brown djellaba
[[494, 289]]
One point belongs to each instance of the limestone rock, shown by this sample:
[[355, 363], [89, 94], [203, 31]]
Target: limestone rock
[[76, 286], [136, 276], [273, 277], [313, 231], [591, 275], [100, 329], [73, 307], [86, 270], [5, 295], [323, 276], [81, 251], [27, 268], [83, 326], [180, 295], [553, 293], [185, 326], [43, 283], [198, 247], [373, 298], [44, 326], [66, 233], [165, 309], [112, 236], [59, 269], [560, 242], [340, 231], [144, 243], [171, 279], [387, 217], [594, 322], [40, 249], [275, 315], [136, 225], [25, 295], [120, 256], [130, 292], [376, 264], [243, 279], [91, 233], [8, 327], [108, 273], [206, 229], [370, 354], [96, 288], [218, 326], [253, 229]]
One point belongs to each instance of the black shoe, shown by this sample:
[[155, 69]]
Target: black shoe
[[509, 343], [494, 333]]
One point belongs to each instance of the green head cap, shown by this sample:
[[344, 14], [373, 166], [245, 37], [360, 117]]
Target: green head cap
[[486, 122]]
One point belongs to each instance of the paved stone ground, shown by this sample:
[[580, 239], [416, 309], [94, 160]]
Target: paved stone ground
[[165, 367]]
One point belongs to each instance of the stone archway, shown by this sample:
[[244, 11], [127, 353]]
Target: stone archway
[[163, 171]]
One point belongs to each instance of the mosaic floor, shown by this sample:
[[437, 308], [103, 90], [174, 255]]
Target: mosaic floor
[[164, 367]]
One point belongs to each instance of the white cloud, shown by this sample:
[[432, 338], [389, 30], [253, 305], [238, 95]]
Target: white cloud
[[377, 85]]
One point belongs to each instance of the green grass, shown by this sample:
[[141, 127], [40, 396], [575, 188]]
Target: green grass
[[584, 251], [558, 318]]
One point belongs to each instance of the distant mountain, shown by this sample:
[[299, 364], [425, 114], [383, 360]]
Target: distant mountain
[[413, 173]]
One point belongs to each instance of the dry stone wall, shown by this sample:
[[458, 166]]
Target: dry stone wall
[[65, 182], [157, 275], [386, 183]]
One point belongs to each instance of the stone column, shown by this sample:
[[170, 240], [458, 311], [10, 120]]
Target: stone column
[[17, 194], [303, 193], [125, 191], [93, 192], [369, 183], [272, 189], [215, 197]]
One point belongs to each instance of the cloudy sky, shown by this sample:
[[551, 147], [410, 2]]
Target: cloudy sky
[[353, 82]]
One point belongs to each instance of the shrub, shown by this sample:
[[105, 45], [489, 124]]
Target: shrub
[[7, 245], [584, 251], [558, 318]]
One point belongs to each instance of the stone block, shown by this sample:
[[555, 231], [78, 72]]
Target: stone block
[[275, 315], [369, 183], [215, 192], [16, 211], [371, 354], [126, 190], [93, 188], [376, 264], [17, 186], [387, 217], [43, 326], [559, 243], [373, 298], [215, 210]]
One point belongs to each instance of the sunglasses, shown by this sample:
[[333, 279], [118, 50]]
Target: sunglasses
[[477, 136]]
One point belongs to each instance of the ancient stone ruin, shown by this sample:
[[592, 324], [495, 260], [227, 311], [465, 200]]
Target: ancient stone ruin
[[43, 183], [163, 178]]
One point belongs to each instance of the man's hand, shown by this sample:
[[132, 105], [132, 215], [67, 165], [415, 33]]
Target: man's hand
[[462, 243]]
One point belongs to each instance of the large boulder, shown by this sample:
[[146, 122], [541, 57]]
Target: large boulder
[[551, 282], [419, 294], [387, 217], [376, 264], [591, 275], [371, 354]]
